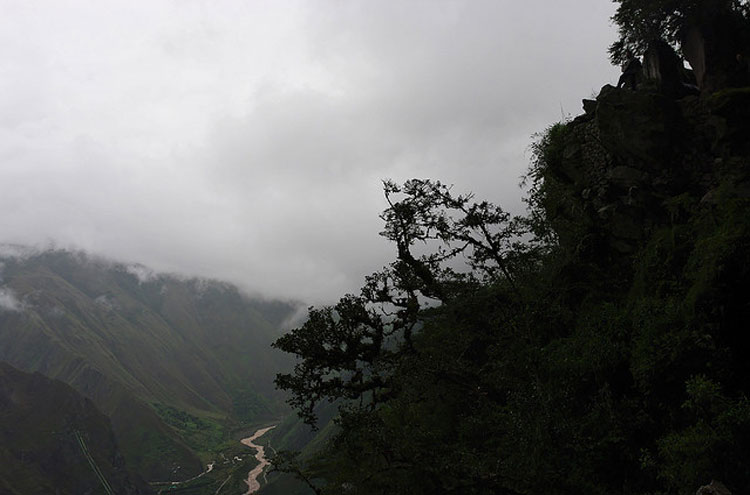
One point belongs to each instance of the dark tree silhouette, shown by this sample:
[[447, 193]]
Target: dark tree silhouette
[[640, 22]]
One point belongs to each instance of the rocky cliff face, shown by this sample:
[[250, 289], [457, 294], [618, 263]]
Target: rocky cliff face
[[625, 164], [649, 195]]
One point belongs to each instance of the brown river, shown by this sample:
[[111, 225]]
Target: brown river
[[253, 485]]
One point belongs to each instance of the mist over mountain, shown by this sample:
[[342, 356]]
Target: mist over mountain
[[176, 176], [142, 345], [246, 141]]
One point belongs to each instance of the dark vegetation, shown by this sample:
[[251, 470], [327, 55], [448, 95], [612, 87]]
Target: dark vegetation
[[643, 21], [596, 345]]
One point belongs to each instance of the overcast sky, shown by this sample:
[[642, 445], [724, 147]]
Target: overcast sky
[[247, 140]]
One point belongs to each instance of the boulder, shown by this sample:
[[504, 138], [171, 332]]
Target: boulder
[[663, 68], [694, 49], [640, 128], [589, 106]]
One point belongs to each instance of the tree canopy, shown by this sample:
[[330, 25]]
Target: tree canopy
[[642, 21], [596, 344], [498, 362]]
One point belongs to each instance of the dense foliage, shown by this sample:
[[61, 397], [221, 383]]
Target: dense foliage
[[510, 356], [642, 21], [597, 344], [540, 371]]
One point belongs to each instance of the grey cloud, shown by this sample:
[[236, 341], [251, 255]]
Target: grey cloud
[[9, 301], [247, 141]]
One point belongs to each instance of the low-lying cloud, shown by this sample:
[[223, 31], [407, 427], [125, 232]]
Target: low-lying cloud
[[247, 140], [9, 301]]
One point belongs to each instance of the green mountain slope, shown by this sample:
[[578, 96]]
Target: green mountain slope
[[53, 440], [130, 339]]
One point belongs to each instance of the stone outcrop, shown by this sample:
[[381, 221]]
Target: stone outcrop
[[664, 69], [694, 49], [630, 156]]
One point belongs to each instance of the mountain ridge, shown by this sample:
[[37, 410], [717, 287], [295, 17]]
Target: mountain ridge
[[131, 339]]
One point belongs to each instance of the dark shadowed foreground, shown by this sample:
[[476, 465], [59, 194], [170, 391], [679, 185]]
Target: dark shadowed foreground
[[596, 345]]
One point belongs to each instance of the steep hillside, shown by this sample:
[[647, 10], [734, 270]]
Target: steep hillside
[[53, 440], [291, 435], [139, 344]]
